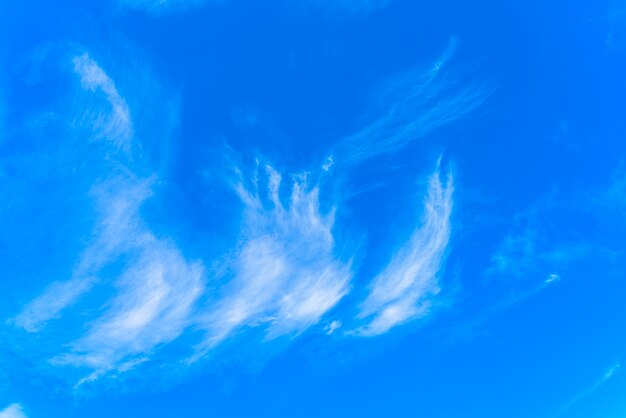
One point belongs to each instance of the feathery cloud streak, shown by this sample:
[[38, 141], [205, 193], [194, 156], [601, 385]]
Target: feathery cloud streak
[[155, 288], [418, 102], [113, 124], [156, 292], [403, 290], [118, 203], [285, 272]]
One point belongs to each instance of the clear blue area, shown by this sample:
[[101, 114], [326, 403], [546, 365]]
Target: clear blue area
[[312, 208]]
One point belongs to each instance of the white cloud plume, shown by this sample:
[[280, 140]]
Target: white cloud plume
[[49, 304], [153, 306], [114, 124], [417, 102], [118, 202], [404, 289], [13, 411], [116, 232], [285, 273], [156, 289], [154, 286]]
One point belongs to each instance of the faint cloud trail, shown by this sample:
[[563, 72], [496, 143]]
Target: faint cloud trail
[[155, 287], [512, 300], [608, 374], [114, 125], [418, 102]]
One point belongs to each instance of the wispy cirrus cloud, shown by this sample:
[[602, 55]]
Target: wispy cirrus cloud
[[151, 287], [155, 290], [117, 201], [132, 291], [13, 411], [468, 327], [416, 103], [113, 124], [285, 273], [117, 231], [541, 239], [404, 289], [108, 119], [529, 253], [606, 376]]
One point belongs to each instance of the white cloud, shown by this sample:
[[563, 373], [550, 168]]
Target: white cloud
[[328, 164], [608, 374], [415, 103], [332, 327], [285, 273], [536, 245], [49, 304], [155, 291], [117, 231], [153, 305], [13, 411], [150, 286], [552, 277], [404, 289], [113, 124]]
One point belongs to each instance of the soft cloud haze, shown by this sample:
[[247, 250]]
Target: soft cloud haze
[[12, 411]]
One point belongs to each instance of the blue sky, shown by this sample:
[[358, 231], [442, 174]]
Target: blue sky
[[312, 208]]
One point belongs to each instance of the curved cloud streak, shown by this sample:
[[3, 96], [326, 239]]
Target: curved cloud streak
[[110, 122], [417, 102], [113, 124], [155, 287], [404, 289]]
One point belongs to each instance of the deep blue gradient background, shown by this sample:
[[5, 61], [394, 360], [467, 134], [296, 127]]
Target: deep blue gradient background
[[539, 190]]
